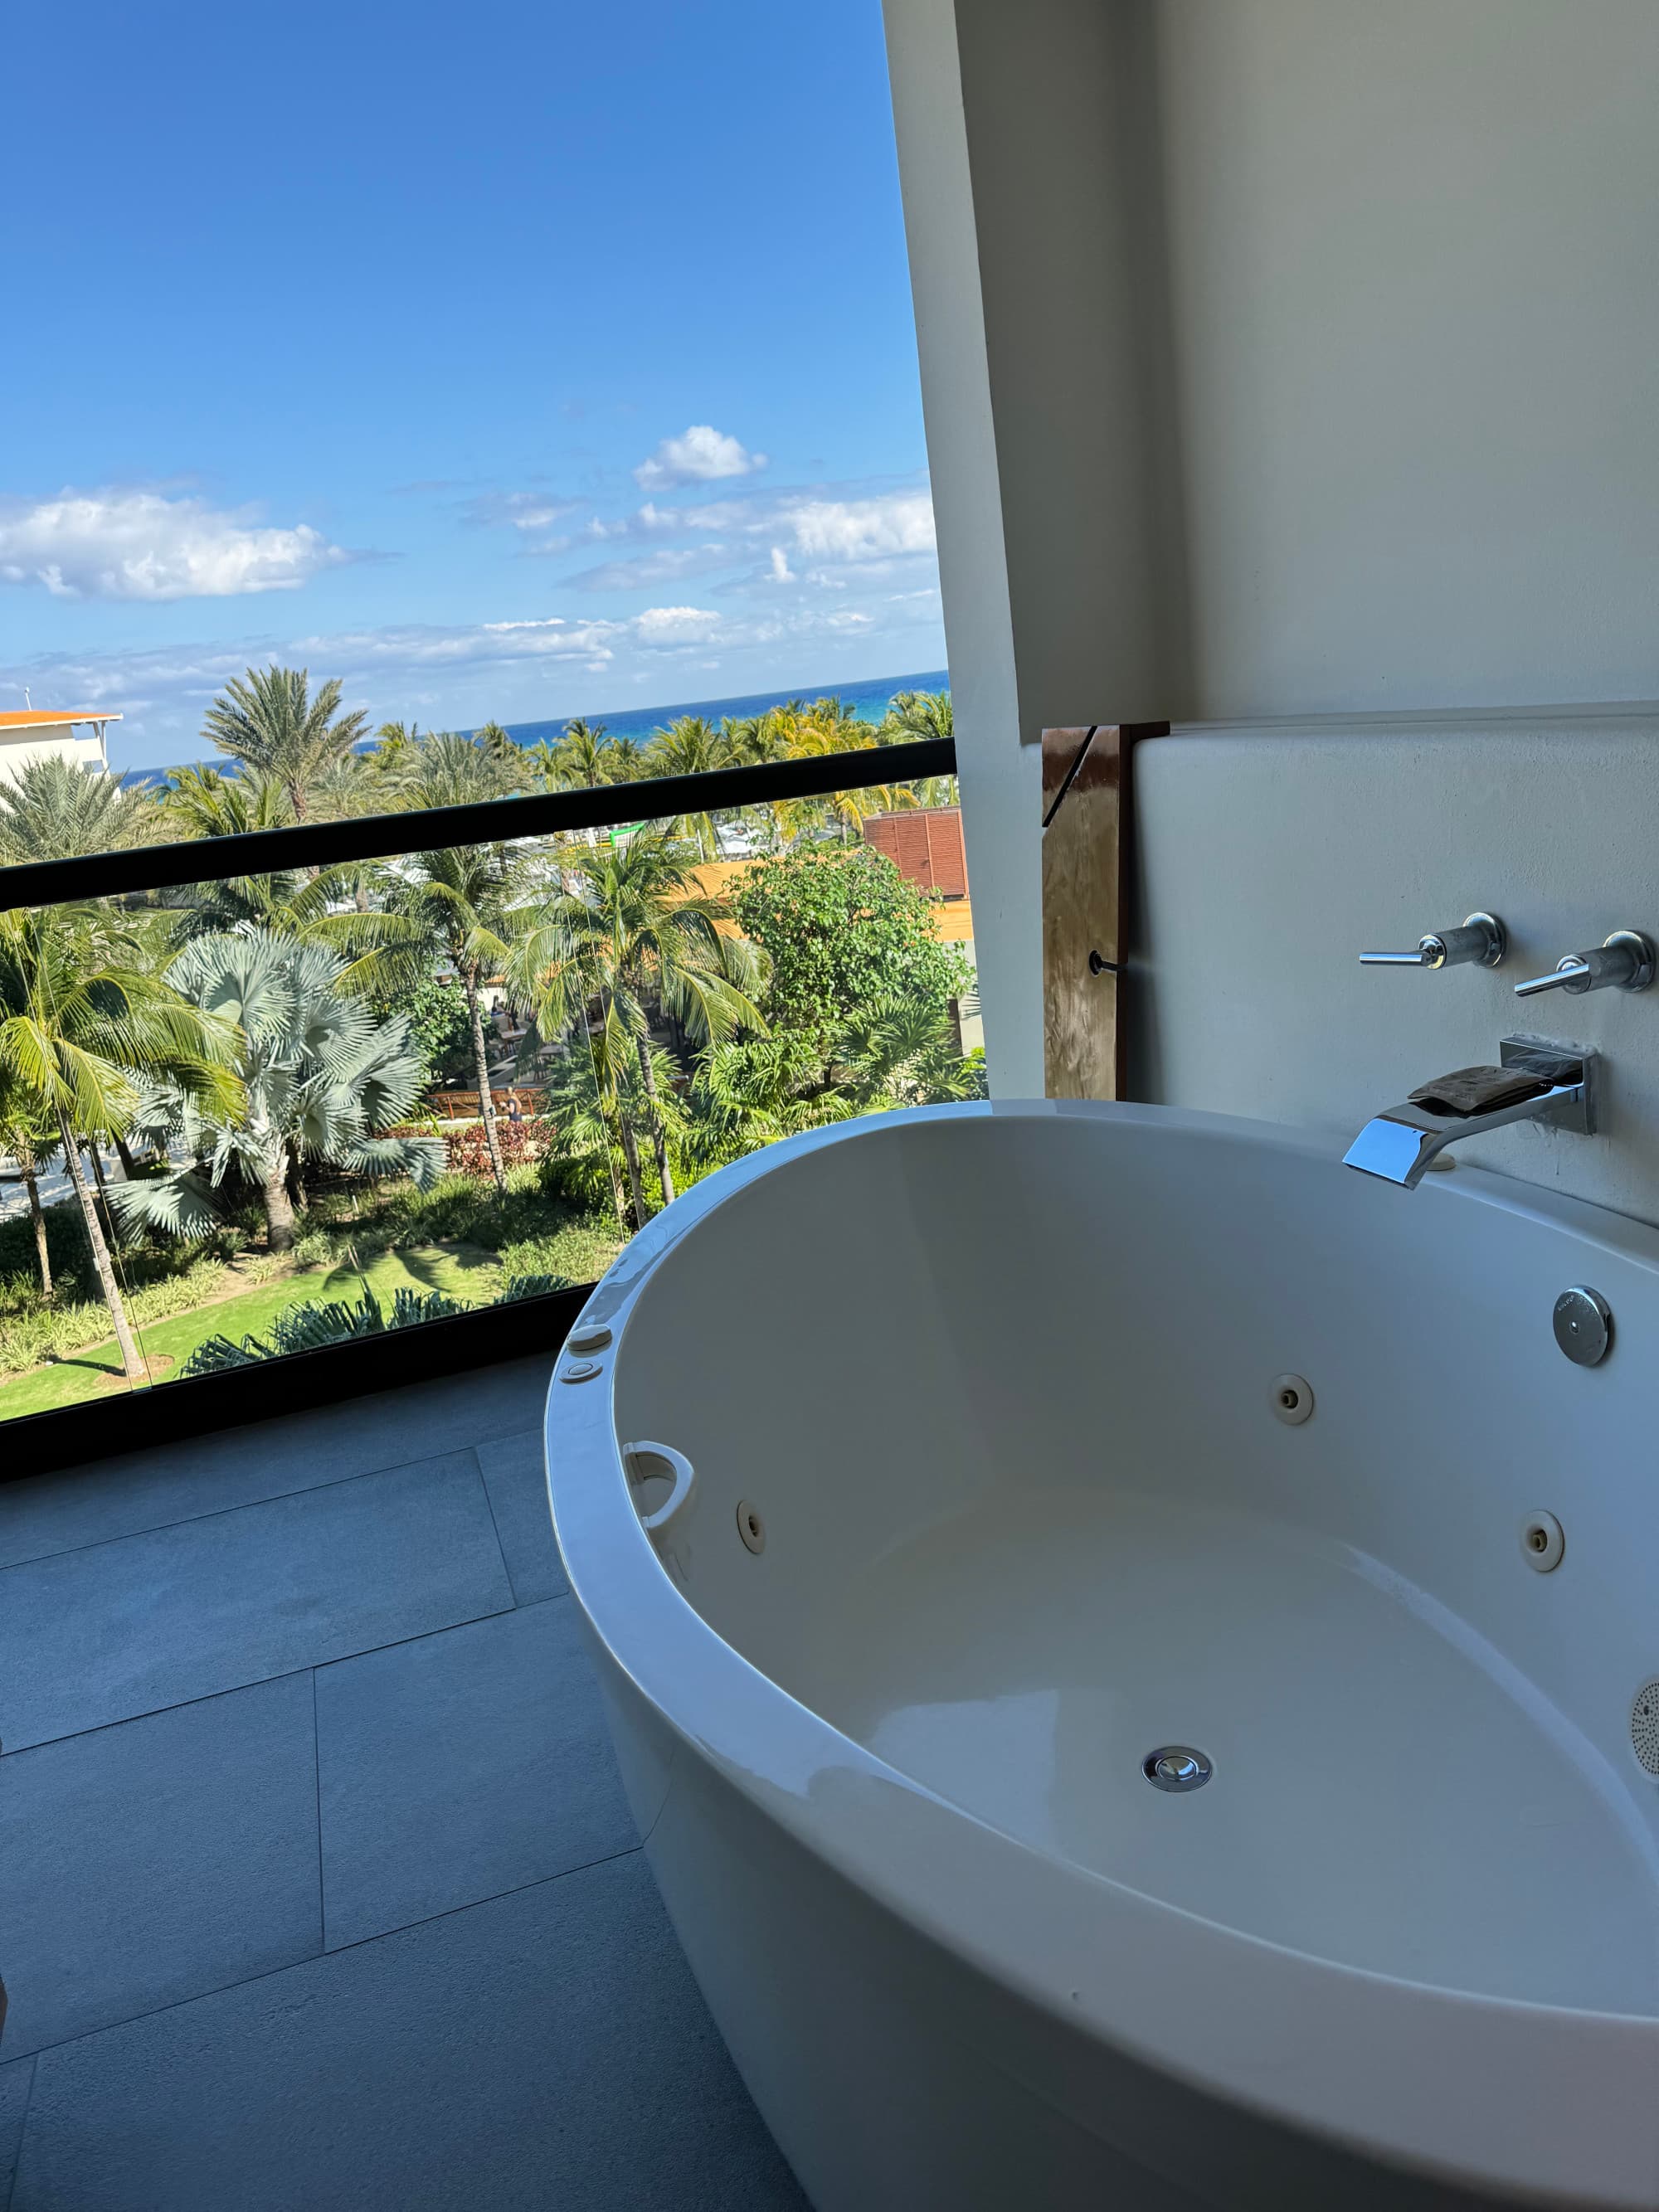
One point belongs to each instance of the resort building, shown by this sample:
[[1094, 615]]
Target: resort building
[[78, 733]]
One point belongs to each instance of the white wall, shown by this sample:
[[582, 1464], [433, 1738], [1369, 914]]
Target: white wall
[[17, 751], [1273, 858], [1279, 357], [1414, 256]]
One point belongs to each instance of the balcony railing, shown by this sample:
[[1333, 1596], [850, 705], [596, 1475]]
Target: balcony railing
[[607, 1089]]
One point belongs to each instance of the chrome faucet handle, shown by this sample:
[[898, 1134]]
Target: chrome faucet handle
[[1623, 961], [1481, 939]]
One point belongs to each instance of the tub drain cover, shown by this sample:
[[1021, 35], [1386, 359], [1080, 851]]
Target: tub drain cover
[[1644, 1726], [1178, 1766]]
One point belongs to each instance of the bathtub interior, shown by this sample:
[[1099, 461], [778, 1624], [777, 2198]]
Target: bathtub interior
[[1000, 1389]]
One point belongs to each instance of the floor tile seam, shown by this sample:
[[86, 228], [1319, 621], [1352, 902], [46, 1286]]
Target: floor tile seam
[[149, 2012], [317, 1777], [499, 1612], [154, 1712], [512, 1889], [258, 1681], [341, 1951], [32, 2061], [490, 1508], [248, 1505]]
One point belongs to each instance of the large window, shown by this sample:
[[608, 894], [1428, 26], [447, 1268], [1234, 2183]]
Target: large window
[[251, 1115]]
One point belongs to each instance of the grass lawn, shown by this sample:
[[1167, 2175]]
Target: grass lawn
[[463, 1271]]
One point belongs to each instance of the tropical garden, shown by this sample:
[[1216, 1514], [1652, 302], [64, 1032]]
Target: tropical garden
[[253, 1115]]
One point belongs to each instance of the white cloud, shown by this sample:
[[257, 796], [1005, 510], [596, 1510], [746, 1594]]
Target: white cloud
[[676, 625], [523, 510], [662, 567], [781, 571], [137, 542], [702, 454], [862, 529]]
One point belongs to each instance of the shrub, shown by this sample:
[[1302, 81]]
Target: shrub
[[520, 1143]]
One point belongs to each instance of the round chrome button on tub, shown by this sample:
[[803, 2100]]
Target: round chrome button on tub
[[1176, 1766], [1582, 1321]]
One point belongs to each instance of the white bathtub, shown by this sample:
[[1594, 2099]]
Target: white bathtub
[[1000, 1383]]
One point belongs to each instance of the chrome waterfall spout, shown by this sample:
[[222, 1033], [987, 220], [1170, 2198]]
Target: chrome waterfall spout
[[1533, 1082]]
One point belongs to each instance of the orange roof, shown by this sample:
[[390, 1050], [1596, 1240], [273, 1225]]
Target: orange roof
[[30, 718]]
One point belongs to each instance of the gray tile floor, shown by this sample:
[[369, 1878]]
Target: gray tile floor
[[317, 1884]]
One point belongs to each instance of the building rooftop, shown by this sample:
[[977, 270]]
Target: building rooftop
[[317, 1882], [41, 718]]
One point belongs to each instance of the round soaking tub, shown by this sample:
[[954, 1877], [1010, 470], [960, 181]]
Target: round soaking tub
[[941, 1473]]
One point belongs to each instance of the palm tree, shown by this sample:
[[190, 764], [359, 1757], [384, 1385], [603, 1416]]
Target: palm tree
[[32, 1141], [629, 923], [271, 724], [498, 744], [319, 1076], [825, 727], [624, 760], [457, 902], [581, 756], [462, 900], [54, 811], [85, 1024], [202, 802], [913, 715], [691, 746], [447, 770]]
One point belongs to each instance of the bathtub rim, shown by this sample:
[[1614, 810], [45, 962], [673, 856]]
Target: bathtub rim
[[1532, 2098]]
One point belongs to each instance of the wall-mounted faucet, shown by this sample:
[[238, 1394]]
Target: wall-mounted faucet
[[1482, 937], [1535, 1083], [1623, 961]]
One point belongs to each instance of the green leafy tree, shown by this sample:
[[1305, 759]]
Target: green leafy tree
[[269, 722], [86, 1025], [844, 932], [319, 1076], [630, 926], [441, 1024]]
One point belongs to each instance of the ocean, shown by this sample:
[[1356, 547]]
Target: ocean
[[871, 699]]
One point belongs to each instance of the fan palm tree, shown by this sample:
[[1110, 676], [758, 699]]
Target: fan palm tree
[[629, 924], [86, 1024], [292, 901], [271, 724], [319, 1076], [54, 811]]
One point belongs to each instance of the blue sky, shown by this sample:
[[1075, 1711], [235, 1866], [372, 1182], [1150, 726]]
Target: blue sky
[[523, 359]]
